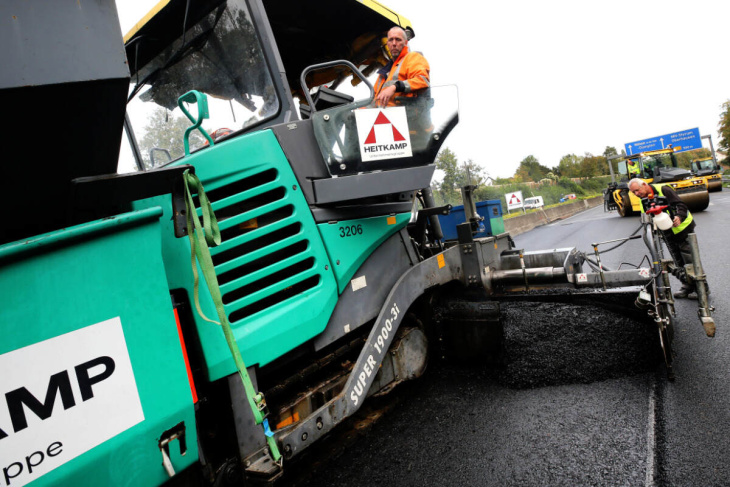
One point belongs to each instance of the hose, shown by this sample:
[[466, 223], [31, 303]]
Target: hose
[[620, 244], [594, 264], [656, 264]]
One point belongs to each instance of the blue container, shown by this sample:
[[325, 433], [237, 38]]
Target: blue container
[[493, 223]]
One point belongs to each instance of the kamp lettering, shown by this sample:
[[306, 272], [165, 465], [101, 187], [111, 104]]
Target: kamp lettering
[[21, 400], [385, 147]]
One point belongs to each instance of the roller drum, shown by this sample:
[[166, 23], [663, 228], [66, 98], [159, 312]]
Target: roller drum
[[714, 185], [697, 201]]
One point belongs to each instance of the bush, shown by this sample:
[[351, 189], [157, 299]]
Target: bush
[[551, 194], [570, 186]]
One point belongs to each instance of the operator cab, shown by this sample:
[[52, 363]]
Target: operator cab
[[252, 60], [658, 166], [704, 166], [257, 65]]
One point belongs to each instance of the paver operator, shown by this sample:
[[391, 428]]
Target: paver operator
[[407, 73]]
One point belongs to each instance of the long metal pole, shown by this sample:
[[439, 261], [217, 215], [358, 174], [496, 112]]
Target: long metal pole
[[701, 285]]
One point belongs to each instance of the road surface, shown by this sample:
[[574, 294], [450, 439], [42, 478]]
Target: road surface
[[591, 418]]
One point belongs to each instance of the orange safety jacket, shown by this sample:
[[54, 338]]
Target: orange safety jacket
[[412, 69]]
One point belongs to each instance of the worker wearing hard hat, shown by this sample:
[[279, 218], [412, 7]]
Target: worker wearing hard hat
[[407, 73], [679, 224]]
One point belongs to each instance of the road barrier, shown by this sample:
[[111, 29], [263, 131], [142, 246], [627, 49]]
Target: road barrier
[[525, 223]]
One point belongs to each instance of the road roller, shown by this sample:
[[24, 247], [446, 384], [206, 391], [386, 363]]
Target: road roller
[[659, 168]]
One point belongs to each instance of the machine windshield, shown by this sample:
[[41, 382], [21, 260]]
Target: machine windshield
[[705, 164], [220, 56], [656, 160]]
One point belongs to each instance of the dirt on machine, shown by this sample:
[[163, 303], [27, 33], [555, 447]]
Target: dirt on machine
[[658, 168], [202, 278]]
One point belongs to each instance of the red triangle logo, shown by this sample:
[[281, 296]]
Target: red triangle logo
[[371, 136], [381, 119], [397, 137]]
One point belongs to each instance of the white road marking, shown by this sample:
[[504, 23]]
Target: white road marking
[[651, 436]]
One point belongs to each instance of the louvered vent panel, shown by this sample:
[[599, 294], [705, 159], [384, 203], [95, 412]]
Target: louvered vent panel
[[264, 258]]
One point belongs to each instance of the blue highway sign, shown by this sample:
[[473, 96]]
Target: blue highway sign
[[686, 140]]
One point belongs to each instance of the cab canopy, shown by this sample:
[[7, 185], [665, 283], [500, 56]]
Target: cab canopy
[[304, 33]]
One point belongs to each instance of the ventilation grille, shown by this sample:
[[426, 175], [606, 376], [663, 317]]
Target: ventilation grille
[[264, 258]]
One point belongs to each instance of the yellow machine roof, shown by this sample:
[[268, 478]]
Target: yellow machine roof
[[306, 33]]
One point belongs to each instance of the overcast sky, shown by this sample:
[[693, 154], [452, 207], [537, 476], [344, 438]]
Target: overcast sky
[[566, 77]]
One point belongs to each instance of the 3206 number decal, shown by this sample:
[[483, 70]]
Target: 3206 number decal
[[350, 231]]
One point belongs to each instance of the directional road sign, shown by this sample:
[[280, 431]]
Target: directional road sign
[[686, 140]]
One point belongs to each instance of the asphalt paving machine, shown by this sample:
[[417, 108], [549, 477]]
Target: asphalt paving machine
[[657, 167], [205, 299]]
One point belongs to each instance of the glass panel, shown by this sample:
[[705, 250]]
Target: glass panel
[[430, 118], [126, 160], [222, 58], [654, 161], [706, 164]]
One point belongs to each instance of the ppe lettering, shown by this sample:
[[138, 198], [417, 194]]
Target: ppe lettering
[[32, 461]]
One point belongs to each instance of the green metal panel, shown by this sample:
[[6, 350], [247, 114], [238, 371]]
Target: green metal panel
[[349, 243], [276, 280], [105, 275], [497, 224]]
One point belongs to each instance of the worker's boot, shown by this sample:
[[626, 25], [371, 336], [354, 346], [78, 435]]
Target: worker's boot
[[693, 293], [685, 292]]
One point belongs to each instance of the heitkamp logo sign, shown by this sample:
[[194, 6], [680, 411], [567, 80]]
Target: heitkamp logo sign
[[62, 397], [383, 133]]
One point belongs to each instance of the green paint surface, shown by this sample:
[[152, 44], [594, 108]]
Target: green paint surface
[[73, 278], [252, 186], [349, 243]]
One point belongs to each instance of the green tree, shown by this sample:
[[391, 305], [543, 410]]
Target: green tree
[[592, 166], [446, 191], [684, 159], [456, 175], [609, 151], [165, 131], [472, 173], [724, 127], [569, 166], [530, 169]]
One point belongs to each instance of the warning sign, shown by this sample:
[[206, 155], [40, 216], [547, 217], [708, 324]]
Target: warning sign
[[383, 133], [514, 200]]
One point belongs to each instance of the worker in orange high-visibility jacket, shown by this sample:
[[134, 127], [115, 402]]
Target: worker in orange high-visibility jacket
[[407, 74]]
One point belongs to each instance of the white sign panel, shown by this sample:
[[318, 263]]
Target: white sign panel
[[62, 397], [383, 133], [514, 200]]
